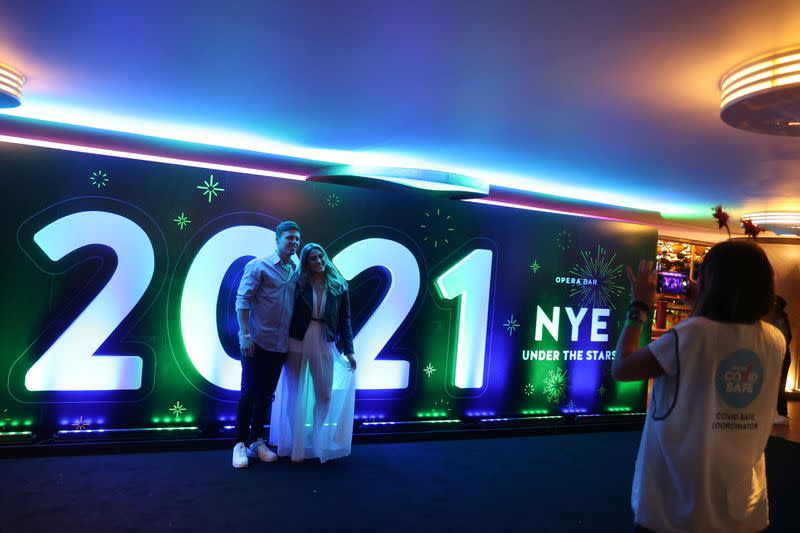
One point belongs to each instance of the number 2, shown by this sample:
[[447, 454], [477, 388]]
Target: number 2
[[71, 364], [403, 270]]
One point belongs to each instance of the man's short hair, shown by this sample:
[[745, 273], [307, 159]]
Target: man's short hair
[[285, 226]]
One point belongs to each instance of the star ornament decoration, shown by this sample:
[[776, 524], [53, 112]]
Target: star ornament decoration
[[429, 370], [333, 200], [210, 188], [177, 409], [99, 179], [511, 325], [722, 218], [182, 220]]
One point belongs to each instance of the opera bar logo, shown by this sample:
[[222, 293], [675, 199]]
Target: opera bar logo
[[571, 280]]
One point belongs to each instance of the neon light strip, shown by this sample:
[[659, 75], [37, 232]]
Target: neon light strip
[[520, 418], [546, 210], [609, 414], [148, 157], [14, 433], [402, 423], [76, 431], [551, 185]]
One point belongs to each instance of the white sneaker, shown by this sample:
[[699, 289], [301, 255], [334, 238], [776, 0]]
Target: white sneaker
[[240, 456], [259, 448], [782, 420]]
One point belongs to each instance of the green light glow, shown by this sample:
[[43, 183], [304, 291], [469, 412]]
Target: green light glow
[[535, 412], [431, 414], [619, 409]]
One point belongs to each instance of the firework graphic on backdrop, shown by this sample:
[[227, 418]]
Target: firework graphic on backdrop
[[177, 410], [210, 188], [333, 200], [511, 325], [99, 179], [429, 370], [182, 220], [535, 266], [437, 228], [529, 389], [601, 390], [554, 385], [80, 423], [563, 240], [600, 268]]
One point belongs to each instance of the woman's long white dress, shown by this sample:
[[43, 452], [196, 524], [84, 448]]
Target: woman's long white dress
[[312, 415]]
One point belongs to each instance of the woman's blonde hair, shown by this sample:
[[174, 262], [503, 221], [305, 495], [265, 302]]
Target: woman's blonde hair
[[334, 281]]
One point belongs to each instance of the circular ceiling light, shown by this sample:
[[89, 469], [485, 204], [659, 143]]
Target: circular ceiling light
[[778, 222], [762, 95], [11, 82]]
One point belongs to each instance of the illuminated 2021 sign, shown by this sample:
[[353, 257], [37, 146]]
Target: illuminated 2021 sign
[[123, 287]]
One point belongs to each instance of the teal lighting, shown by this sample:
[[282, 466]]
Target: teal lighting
[[557, 185], [457, 185]]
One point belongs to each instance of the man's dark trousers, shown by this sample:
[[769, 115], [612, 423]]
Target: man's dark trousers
[[260, 375]]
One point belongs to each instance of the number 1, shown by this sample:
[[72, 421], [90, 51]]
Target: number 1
[[470, 281]]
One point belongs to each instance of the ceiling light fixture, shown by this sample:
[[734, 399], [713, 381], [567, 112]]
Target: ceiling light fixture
[[11, 81], [762, 95], [778, 222]]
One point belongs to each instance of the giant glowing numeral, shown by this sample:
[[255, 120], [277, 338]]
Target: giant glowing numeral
[[390, 314], [199, 300], [69, 363], [470, 280]]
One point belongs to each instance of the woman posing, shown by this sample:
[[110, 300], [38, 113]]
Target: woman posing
[[313, 413]]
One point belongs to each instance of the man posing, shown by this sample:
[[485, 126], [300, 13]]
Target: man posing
[[264, 309]]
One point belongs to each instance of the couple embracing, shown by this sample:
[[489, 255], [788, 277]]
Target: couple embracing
[[294, 315]]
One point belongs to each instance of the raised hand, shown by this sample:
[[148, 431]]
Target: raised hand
[[643, 283]]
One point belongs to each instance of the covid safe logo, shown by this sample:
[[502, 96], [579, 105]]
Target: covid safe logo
[[739, 378]]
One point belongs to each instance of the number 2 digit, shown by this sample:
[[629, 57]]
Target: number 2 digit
[[70, 363]]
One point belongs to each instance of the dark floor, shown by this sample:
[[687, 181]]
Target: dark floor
[[576, 482]]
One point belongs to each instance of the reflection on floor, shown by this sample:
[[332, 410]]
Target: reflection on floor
[[790, 431]]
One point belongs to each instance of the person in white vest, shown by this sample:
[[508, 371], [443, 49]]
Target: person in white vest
[[715, 375]]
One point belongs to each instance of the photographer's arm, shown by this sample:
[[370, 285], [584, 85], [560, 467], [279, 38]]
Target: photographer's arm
[[633, 363]]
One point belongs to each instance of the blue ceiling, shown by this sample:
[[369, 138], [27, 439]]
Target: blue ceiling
[[616, 97]]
